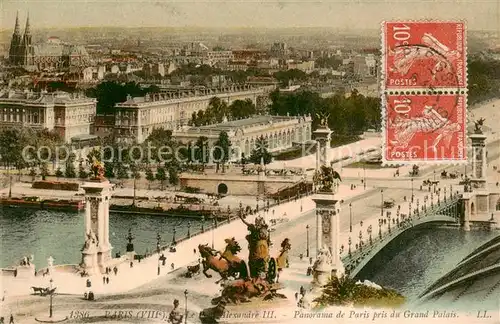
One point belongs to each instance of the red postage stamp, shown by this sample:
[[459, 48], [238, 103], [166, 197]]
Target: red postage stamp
[[424, 55], [425, 128]]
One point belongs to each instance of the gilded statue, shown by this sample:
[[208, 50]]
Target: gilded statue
[[97, 169]]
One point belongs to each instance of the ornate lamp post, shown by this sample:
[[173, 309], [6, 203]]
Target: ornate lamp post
[[307, 240], [439, 194], [389, 222], [380, 228], [444, 194], [364, 178], [432, 199], [360, 240], [418, 209], [397, 215], [409, 210], [173, 236], [451, 191], [350, 217], [189, 229], [412, 190], [382, 202], [51, 294], [369, 231], [185, 306], [349, 242]]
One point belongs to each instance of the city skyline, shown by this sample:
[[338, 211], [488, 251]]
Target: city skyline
[[245, 14]]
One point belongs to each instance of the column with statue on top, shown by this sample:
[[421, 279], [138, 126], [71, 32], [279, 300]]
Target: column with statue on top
[[326, 181], [96, 251]]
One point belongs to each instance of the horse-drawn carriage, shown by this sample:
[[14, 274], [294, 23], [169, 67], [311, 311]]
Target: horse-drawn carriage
[[43, 291], [450, 175], [389, 203]]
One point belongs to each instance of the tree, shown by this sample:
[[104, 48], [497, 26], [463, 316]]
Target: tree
[[222, 150], [242, 109], [44, 171], [150, 177], [122, 172], [33, 174], [201, 151], [59, 173], [70, 167], [82, 173], [161, 176], [260, 152], [109, 170], [173, 176]]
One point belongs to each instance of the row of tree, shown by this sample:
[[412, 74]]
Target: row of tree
[[109, 93], [218, 109], [346, 115]]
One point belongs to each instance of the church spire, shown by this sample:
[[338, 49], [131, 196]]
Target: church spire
[[27, 29], [17, 29]]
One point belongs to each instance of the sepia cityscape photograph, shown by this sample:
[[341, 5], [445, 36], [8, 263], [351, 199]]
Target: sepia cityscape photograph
[[241, 161]]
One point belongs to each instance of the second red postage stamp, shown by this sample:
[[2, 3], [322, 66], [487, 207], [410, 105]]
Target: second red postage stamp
[[425, 128]]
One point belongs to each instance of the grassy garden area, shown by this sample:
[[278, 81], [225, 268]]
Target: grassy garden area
[[345, 291]]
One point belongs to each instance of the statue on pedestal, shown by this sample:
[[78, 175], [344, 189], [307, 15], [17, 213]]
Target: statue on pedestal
[[258, 247], [326, 179], [478, 126], [175, 316], [322, 267], [91, 241], [323, 119], [97, 170]]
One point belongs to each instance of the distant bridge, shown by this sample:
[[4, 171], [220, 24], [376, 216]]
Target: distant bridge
[[446, 211]]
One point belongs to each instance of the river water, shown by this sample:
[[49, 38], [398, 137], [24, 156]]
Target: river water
[[416, 259], [410, 264], [61, 234]]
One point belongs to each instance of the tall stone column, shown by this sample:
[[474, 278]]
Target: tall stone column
[[327, 207], [479, 161], [96, 252]]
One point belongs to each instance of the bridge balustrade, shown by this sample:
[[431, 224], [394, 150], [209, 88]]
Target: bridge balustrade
[[354, 258]]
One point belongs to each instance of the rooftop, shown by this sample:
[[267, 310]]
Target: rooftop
[[57, 97]]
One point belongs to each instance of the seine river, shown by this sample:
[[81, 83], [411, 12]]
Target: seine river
[[418, 258], [61, 234], [409, 264]]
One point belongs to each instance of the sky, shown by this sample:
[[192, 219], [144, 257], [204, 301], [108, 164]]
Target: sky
[[341, 14]]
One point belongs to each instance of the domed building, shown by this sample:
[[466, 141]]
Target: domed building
[[53, 55]]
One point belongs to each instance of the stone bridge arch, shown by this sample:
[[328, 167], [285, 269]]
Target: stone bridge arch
[[360, 260]]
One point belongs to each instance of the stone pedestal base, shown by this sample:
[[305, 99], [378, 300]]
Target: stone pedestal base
[[131, 255], [25, 271], [104, 257], [89, 262], [321, 278]]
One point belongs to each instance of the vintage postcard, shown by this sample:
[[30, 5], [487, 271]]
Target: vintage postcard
[[249, 161]]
